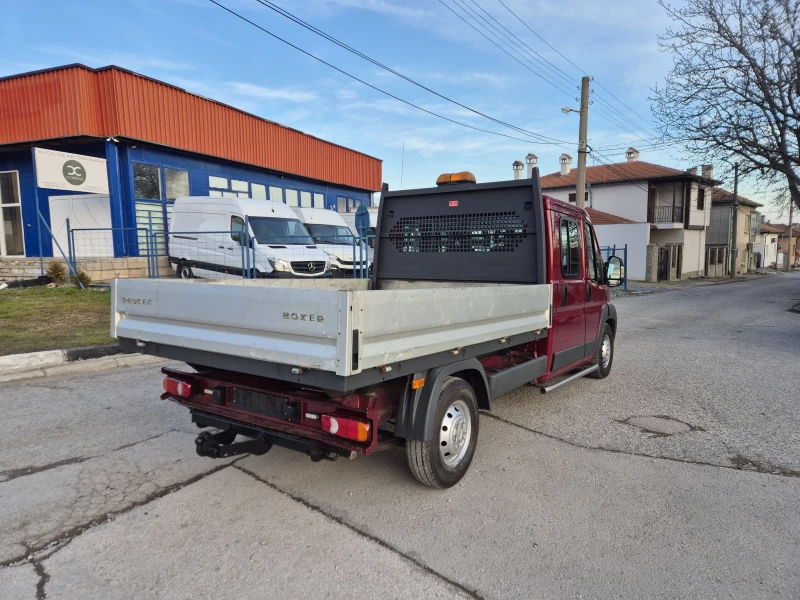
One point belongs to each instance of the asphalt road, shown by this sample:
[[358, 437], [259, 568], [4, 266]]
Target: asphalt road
[[676, 477]]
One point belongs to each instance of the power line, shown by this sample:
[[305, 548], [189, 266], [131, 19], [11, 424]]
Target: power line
[[473, 15], [377, 89], [566, 59], [297, 20], [504, 50]]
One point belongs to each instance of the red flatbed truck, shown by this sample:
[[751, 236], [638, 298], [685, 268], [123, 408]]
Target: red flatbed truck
[[476, 289]]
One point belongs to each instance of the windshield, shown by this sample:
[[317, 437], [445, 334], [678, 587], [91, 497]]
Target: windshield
[[330, 234], [271, 230]]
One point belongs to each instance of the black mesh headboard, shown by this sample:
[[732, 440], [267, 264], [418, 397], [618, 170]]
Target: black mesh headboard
[[488, 232]]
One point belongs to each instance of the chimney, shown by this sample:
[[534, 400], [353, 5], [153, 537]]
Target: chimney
[[763, 218], [708, 171], [517, 166], [692, 171], [566, 164], [532, 161], [632, 154]]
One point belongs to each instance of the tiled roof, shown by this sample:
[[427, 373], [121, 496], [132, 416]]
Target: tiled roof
[[720, 195], [637, 170], [599, 217], [767, 228], [783, 229]]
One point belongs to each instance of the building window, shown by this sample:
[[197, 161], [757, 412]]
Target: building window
[[570, 248], [701, 199], [229, 194], [177, 181], [239, 186], [217, 182], [275, 194], [11, 237], [215, 193], [341, 204], [712, 256], [259, 192], [574, 197], [305, 199], [354, 204], [319, 201], [291, 197], [146, 181]]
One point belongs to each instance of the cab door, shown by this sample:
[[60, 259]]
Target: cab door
[[569, 294], [597, 293]]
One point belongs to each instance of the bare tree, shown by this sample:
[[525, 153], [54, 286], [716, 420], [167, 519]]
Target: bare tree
[[733, 94]]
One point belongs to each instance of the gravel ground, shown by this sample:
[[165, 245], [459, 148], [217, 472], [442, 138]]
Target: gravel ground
[[676, 477]]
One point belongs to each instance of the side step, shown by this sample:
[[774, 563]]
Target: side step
[[578, 375]]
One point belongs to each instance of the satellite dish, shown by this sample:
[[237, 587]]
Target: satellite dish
[[362, 221]]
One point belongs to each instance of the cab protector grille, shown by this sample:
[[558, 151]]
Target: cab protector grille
[[308, 266], [472, 232]]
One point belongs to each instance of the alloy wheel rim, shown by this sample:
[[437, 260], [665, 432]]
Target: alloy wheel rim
[[455, 433]]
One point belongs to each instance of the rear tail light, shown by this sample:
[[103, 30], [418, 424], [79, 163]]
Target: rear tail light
[[176, 387], [346, 428]]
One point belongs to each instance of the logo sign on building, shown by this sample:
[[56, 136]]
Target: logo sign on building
[[74, 172]]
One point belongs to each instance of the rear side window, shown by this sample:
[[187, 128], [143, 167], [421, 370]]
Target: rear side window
[[570, 248], [595, 262]]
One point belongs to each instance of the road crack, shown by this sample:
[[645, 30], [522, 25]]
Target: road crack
[[6, 476], [318, 509], [739, 465], [60, 541]]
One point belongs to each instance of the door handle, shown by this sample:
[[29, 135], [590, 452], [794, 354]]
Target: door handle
[[564, 295], [589, 292], [222, 247]]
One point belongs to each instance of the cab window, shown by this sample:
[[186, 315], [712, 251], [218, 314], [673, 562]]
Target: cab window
[[237, 227], [595, 264], [570, 248]]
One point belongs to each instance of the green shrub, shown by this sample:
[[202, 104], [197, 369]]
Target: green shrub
[[57, 271], [85, 280]]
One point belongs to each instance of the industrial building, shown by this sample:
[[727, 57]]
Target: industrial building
[[112, 149]]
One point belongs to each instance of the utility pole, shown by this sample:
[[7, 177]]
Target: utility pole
[[790, 253], [734, 219], [580, 184]]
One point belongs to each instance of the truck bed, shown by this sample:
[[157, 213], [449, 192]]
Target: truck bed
[[337, 326]]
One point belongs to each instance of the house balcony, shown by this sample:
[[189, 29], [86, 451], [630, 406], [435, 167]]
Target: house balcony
[[666, 217]]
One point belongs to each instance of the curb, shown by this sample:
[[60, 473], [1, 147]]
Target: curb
[[85, 366], [20, 363]]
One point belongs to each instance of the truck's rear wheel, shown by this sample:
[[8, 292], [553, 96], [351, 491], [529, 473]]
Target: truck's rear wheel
[[604, 356], [442, 461]]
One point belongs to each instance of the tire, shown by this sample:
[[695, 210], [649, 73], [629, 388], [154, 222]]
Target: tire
[[456, 430], [606, 336], [185, 270]]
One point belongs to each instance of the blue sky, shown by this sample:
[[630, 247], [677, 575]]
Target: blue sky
[[198, 46]]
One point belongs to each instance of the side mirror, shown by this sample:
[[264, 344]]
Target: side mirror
[[238, 237], [615, 273]]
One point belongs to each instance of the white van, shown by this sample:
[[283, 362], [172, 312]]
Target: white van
[[205, 240], [350, 220], [332, 235]]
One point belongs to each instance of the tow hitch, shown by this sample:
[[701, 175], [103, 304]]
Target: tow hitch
[[220, 444]]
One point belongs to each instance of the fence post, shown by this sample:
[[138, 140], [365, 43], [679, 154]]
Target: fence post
[[625, 260], [354, 256], [246, 248], [150, 245], [53, 238], [70, 249]]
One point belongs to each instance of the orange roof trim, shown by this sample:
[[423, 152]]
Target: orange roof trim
[[76, 100], [599, 217]]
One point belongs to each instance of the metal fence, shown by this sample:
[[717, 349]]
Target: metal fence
[[106, 253], [622, 252]]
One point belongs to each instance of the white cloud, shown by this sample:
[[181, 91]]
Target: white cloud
[[264, 93], [378, 6]]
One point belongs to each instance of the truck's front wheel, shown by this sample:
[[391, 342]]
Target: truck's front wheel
[[604, 357], [442, 461]]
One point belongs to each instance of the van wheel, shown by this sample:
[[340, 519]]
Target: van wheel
[[442, 461], [185, 270], [605, 353]]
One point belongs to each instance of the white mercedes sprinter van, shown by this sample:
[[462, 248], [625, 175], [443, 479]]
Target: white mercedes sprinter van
[[205, 240], [332, 235]]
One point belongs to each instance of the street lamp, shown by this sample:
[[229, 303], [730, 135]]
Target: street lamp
[[566, 110]]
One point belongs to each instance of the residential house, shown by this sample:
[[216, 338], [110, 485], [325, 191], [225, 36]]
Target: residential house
[[783, 244], [673, 205], [768, 248], [617, 232], [747, 236]]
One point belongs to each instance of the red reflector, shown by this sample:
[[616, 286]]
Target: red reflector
[[178, 388], [346, 428], [453, 202]]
